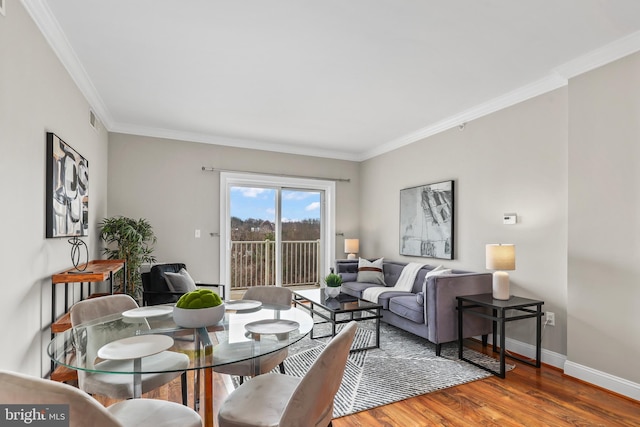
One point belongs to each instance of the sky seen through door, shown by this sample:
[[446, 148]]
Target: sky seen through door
[[259, 203]]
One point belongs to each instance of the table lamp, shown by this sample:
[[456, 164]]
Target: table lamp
[[501, 257], [351, 247]]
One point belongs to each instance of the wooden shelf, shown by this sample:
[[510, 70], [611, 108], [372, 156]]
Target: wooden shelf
[[94, 271]]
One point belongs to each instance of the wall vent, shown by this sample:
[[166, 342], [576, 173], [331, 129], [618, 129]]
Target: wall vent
[[93, 120]]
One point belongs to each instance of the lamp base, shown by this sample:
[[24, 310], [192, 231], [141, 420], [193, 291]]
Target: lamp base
[[501, 285], [351, 256]]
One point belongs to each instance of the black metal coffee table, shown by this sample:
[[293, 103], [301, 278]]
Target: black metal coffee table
[[332, 309]]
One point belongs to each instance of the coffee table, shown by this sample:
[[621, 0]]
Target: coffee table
[[342, 309]]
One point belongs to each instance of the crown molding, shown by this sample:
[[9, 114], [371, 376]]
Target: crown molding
[[205, 138], [53, 34], [599, 57], [516, 96], [557, 78]]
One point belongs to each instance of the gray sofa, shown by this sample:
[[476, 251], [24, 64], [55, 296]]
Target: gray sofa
[[429, 310]]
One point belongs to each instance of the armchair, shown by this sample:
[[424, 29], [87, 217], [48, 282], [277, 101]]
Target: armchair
[[155, 289]]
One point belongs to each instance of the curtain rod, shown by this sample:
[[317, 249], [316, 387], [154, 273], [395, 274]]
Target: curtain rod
[[209, 169]]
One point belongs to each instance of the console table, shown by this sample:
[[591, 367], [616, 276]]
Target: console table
[[469, 304], [96, 271]]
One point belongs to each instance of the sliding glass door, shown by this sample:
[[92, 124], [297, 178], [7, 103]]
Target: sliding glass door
[[275, 231]]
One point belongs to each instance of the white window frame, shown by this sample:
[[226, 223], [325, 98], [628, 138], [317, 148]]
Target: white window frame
[[235, 179]]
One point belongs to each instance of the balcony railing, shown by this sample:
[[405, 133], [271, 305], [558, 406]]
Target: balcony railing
[[253, 263]]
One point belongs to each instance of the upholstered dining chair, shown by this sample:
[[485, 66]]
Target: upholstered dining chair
[[120, 386], [272, 295], [286, 401], [21, 389]]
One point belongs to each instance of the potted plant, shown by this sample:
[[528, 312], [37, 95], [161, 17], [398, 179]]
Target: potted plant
[[333, 282], [131, 240]]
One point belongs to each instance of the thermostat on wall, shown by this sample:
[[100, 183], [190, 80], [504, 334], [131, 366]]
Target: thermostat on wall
[[509, 218]]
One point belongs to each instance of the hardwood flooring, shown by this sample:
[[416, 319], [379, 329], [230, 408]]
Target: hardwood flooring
[[527, 397]]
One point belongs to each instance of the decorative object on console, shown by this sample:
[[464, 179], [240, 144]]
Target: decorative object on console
[[67, 190], [351, 247], [426, 220], [76, 244], [501, 257], [333, 282]]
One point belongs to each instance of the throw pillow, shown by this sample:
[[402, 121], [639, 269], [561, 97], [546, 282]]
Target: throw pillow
[[436, 272], [371, 271], [180, 281], [420, 298]]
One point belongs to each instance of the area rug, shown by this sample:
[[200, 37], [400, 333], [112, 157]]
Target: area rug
[[404, 366]]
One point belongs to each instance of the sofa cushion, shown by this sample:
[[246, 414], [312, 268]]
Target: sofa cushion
[[371, 271], [407, 307], [355, 288], [385, 297], [349, 277]]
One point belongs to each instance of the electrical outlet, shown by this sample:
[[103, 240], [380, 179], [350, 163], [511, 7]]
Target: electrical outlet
[[551, 318], [197, 234]]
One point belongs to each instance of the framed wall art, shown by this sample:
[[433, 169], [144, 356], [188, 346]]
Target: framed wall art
[[67, 190], [426, 220]]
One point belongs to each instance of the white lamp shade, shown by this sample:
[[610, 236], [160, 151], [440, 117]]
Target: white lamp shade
[[501, 257], [351, 246]]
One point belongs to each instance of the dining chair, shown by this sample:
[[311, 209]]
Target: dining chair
[[286, 401], [272, 295], [167, 365], [23, 390]]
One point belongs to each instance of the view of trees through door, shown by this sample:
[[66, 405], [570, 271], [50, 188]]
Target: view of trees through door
[[275, 236]]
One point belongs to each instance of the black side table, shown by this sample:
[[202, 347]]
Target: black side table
[[469, 303]]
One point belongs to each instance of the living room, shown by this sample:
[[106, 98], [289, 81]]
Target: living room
[[563, 157]]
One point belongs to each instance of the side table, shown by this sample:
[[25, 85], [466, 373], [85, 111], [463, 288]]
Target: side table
[[526, 308]]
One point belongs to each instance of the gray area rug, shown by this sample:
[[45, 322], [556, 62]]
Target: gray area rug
[[404, 366]]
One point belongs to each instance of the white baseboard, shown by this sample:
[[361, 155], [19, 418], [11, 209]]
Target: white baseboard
[[602, 379], [547, 356], [583, 373]]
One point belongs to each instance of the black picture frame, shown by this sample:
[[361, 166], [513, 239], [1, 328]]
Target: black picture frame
[[427, 220], [67, 190]]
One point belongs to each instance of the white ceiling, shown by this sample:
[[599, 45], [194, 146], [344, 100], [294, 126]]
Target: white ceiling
[[345, 79]]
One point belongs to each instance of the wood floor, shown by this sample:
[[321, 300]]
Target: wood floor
[[527, 397]]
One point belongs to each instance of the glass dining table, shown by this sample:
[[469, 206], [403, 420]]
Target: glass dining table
[[242, 335]]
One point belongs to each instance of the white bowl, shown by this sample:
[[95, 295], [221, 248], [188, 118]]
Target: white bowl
[[198, 317]]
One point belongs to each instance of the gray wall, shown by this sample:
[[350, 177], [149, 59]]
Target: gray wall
[[514, 160], [162, 180], [36, 96], [604, 219]]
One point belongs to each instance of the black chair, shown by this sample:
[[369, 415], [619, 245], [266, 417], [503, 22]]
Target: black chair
[[155, 289]]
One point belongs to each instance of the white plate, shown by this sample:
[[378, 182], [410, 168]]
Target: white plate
[[243, 304], [151, 311], [134, 347], [272, 326]]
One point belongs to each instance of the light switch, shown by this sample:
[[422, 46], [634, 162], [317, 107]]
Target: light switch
[[197, 234]]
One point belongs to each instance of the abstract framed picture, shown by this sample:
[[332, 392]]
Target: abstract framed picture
[[426, 220], [67, 190]]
